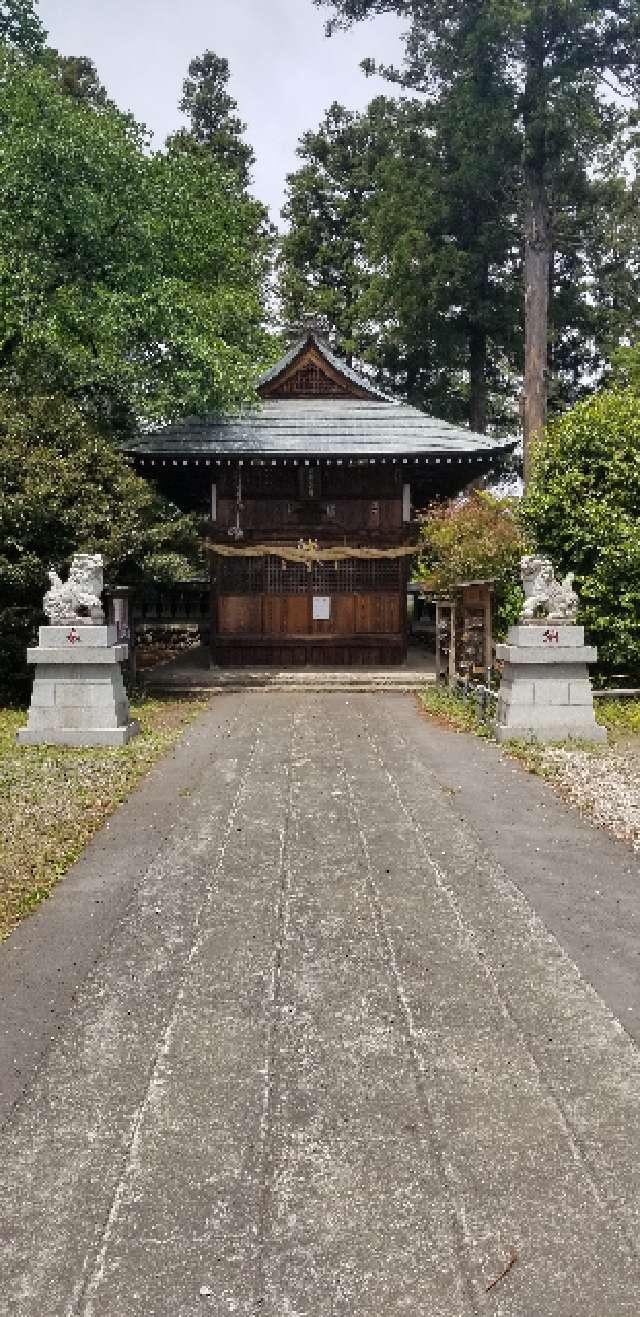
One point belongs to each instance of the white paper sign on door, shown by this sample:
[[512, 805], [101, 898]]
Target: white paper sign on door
[[321, 607]]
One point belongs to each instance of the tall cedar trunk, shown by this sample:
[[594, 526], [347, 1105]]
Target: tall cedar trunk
[[537, 245], [478, 378]]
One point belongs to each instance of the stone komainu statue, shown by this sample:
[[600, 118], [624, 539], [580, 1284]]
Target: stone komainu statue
[[77, 600], [545, 598]]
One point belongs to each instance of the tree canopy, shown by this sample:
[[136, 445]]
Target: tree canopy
[[475, 538], [564, 72], [132, 290], [213, 124], [65, 488], [130, 281], [21, 28], [582, 507], [404, 242], [324, 261]]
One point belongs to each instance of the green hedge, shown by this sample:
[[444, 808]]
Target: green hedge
[[64, 488], [582, 508]]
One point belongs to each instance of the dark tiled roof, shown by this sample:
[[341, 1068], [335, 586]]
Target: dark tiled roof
[[322, 426]]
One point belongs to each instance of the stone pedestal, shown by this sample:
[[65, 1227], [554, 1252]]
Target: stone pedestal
[[78, 695], [545, 692]]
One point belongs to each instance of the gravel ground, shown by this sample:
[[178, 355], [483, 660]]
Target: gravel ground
[[603, 785]]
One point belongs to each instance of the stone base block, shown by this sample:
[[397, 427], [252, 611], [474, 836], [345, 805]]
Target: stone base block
[[549, 732], [546, 635], [545, 693], [537, 656], [78, 736], [73, 637], [78, 697], [59, 657], [77, 717]]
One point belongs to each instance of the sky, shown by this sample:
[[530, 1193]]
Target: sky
[[284, 71]]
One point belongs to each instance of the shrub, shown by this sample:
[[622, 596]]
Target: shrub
[[474, 538], [582, 508], [64, 488]]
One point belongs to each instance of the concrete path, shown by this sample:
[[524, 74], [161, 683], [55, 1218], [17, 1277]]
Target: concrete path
[[293, 1040]]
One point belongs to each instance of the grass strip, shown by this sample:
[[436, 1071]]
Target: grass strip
[[449, 708], [621, 717], [53, 798]]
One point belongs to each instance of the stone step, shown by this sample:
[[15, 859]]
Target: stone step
[[243, 680], [204, 691]]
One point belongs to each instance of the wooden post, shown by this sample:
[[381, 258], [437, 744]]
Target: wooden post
[[537, 241], [214, 567], [119, 611], [441, 606], [404, 583], [452, 642], [488, 633]]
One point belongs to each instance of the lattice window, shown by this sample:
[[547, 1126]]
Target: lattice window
[[333, 577], [309, 382], [378, 573], [241, 575], [286, 577], [272, 575], [348, 575]]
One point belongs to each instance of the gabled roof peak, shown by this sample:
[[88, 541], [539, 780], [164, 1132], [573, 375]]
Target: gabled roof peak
[[310, 369]]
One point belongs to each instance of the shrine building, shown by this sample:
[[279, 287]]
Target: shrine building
[[308, 505]]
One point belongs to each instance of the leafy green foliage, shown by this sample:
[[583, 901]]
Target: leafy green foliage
[[442, 236], [78, 77], [132, 289], [475, 538], [401, 239], [449, 706], [21, 28], [64, 488], [553, 80], [214, 125], [324, 258], [583, 509], [130, 282], [620, 716]]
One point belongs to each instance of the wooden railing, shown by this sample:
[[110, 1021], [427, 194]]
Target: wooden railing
[[183, 602]]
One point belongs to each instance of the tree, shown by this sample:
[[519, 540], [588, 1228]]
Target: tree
[[474, 538], [21, 29], [402, 235], [131, 282], [582, 507], [212, 249], [214, 125], [613, 254], [324, 261], [444, 238], [78, 78], [65, 488], [562, 62], [22, 32]]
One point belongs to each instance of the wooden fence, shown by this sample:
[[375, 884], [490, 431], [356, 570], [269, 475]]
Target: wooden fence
[[183, 603]]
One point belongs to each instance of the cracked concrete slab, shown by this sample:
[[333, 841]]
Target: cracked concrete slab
[[328, 1052]]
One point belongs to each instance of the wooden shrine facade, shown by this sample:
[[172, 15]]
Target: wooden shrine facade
[[286, 610], [311, 497]]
